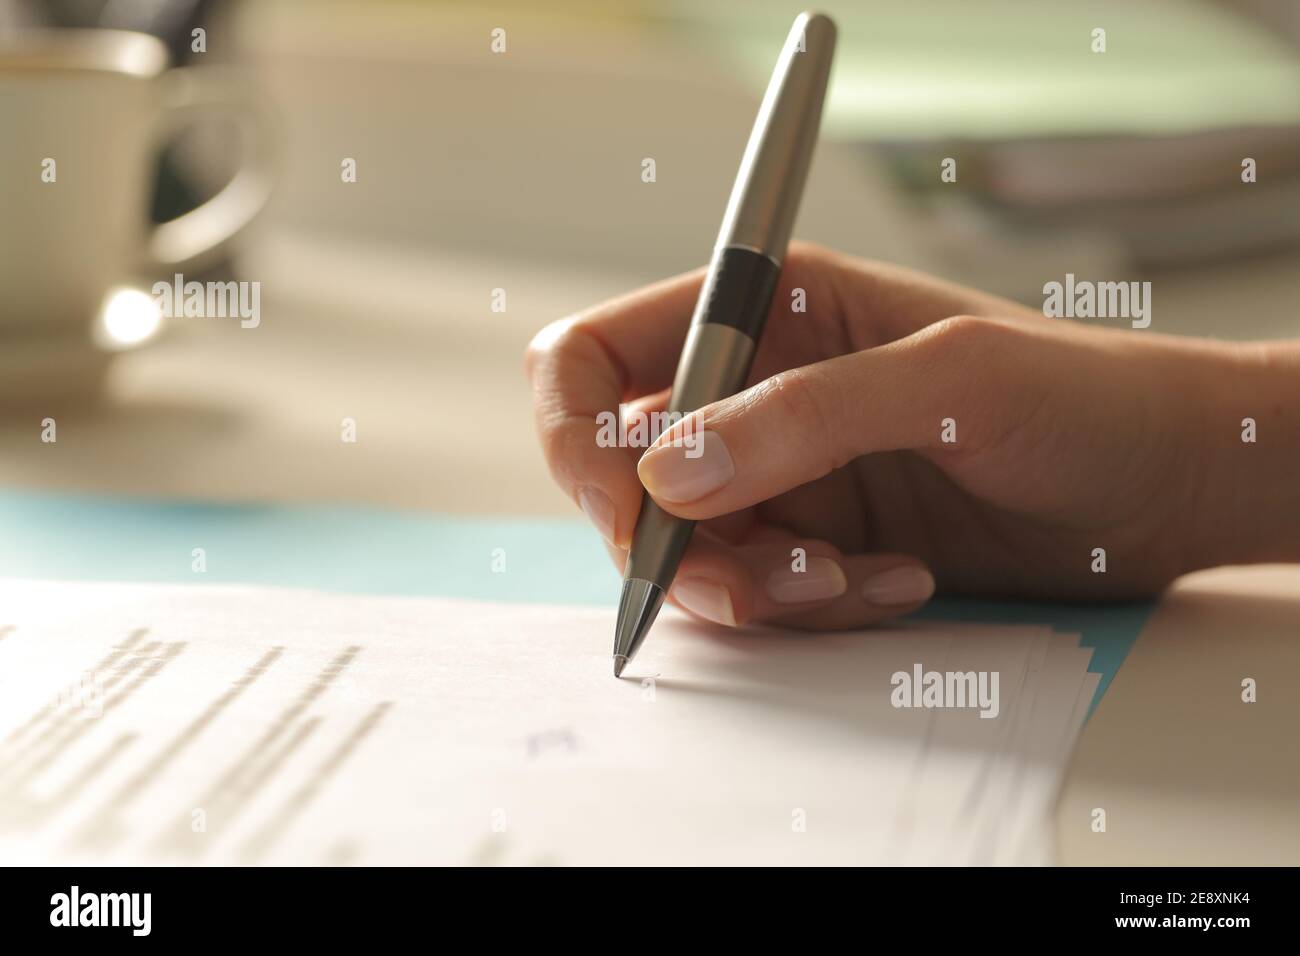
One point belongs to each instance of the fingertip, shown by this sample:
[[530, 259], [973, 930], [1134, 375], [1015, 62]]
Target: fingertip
[[599, 509], [816, 579], [900, 588], [706, 599], [678, 472], [713, 583], [618, 556], [877, 588]]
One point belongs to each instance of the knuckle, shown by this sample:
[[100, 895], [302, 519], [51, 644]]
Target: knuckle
[[957, 341], [800, 400], [803, 254], [963, 329], [989, 376], [556, 338]]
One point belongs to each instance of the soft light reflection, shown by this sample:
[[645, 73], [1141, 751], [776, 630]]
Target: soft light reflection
[[129, 317]]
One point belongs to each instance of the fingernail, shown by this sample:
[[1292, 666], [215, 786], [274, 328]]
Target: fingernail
[[681, 474], [599, 510], [821, 579], [710, 601], [906, 585]]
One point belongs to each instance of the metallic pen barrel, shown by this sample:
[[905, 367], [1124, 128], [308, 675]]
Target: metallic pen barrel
[[735, 298], [765, 198]]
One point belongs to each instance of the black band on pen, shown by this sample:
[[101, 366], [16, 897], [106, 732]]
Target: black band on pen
[[739, 292]]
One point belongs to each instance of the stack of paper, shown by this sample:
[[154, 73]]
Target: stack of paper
[[149, 724]]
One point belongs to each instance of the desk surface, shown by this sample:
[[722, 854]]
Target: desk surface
[[1186, 770]]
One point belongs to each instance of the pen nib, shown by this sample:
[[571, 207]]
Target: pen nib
[[637, 609]]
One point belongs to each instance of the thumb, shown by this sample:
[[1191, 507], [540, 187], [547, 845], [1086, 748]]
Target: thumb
[[798, 426]]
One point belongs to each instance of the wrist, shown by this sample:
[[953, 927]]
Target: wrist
[[1247, 506]]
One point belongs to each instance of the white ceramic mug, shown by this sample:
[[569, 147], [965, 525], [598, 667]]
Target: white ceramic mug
[[84, 116]]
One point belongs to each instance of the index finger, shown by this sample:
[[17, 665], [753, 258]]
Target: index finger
[[587, 365]]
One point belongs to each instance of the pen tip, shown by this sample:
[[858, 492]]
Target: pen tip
[[637, 608]]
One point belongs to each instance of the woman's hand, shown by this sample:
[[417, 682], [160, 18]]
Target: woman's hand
[[904, 431]]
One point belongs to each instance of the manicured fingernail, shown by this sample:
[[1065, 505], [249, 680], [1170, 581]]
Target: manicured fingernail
[[906, 585], [710, 601], [821, 579], [687, 472], [599, 510]]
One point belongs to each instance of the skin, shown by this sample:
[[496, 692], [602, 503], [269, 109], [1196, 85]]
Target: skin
[[1069, 438]]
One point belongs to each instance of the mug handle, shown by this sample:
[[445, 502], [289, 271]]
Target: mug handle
[[201, 235]]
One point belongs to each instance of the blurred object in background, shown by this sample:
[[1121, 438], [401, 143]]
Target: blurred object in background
[[1104, 164], [88, 93], [521, 170], [172, 22], [1127, 158]]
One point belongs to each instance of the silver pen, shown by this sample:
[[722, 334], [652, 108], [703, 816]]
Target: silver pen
[[735, 297]]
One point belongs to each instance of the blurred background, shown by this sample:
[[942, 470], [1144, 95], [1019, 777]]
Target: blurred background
[[521, 170]]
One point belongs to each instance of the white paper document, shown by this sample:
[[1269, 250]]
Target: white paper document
[[221, 725]]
